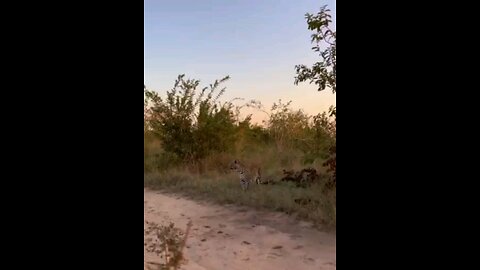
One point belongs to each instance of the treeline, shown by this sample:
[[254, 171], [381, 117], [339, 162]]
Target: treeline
[[189, 125]]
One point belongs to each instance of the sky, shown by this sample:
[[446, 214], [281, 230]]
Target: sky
[[256, 42]]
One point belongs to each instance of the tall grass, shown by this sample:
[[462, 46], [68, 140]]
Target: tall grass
[[211, 179]]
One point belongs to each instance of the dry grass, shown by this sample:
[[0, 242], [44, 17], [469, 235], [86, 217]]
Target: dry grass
[[311, 203], [167, 242], [211, 179]]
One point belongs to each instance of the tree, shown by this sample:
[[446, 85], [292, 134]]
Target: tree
[[323, 73]]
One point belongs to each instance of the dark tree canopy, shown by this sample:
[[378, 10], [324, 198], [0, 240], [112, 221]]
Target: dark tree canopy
[[322, 73]]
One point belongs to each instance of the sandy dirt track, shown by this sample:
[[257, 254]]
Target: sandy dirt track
[[232, 237]]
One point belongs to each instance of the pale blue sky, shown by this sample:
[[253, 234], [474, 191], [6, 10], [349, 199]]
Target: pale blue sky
[[256, 42]]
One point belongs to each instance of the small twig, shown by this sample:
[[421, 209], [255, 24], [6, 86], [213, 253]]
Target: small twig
[[184, 242], [166, 253]]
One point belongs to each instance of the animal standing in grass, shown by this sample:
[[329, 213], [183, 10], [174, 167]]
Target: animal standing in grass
[[245, 176]]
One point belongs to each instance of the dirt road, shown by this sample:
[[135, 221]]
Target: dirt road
[[230, 237]]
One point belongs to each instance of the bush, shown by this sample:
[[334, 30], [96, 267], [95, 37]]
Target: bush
[[191, 126]]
